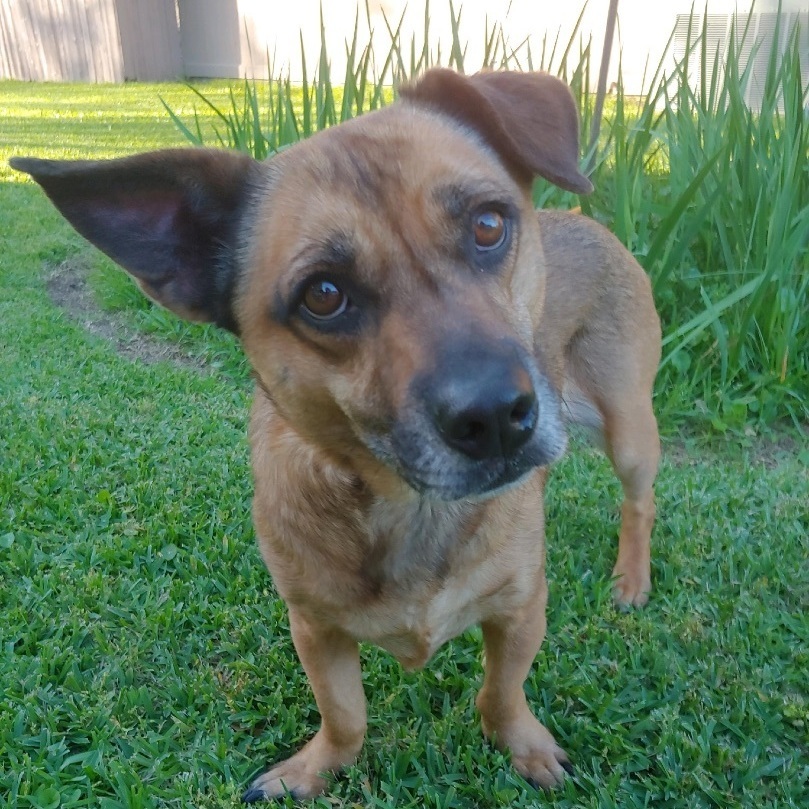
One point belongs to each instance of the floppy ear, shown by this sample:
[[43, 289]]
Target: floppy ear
[[170, 218], [528, 118]]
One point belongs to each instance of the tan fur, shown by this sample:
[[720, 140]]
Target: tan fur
[[358, 550]]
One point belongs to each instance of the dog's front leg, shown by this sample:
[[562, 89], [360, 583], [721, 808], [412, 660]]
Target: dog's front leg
[[511, 643], [331, 660]]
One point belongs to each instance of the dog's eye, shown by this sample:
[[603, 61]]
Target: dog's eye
[[324, 300], [489, 229]]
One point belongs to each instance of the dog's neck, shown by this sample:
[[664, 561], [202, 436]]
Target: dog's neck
[[417, 537]]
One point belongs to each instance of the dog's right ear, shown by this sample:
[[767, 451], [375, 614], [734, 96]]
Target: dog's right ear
[[171, 218]]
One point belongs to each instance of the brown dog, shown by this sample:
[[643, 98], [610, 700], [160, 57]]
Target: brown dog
[[419, 336]]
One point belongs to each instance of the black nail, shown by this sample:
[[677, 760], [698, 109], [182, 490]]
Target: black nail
[[568, 767], [252, 795]]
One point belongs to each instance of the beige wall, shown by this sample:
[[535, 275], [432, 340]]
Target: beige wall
[[42, 40], [89, 40], [150, 39], [210, 31], [110, 40]]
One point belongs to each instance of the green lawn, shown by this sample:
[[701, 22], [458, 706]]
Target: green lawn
[[145, 658]]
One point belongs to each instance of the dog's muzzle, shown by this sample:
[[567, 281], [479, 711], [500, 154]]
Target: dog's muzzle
[[477, 422]]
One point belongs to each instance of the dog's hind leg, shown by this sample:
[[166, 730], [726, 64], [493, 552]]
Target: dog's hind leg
[[611, 393], [331, 661], [633, 446]]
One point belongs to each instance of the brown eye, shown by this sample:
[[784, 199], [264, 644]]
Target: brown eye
[[490, 230], [323, 300]]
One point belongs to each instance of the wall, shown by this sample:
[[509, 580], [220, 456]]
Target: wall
[[642, 34], [60, 40], [89, 40], [113, 40], [210, 31], [150, 39]]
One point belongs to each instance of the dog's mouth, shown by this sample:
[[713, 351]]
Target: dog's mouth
[[451, 483]]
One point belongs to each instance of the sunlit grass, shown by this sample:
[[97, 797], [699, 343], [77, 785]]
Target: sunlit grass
[[83, 121]]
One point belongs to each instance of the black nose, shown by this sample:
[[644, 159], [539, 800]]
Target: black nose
[[488, 410]]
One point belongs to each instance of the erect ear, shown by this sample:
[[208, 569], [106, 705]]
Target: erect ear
[[528, 118], [171, 218]]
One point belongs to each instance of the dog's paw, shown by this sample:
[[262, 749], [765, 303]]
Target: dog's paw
[[544, 764], [291, 777], [534, 752], [304, 775], [631, 587]]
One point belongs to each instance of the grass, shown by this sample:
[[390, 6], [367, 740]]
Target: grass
[[110, 120], [145, 660]]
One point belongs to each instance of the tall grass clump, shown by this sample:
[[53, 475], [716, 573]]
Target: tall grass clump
[[711, 195], [730, 263]]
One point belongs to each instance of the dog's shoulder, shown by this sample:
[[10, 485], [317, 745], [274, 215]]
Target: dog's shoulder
[[571, 239]]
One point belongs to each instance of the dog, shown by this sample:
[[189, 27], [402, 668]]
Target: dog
[[420, 338]]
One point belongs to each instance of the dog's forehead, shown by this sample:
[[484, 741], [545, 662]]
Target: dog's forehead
[[399, 155], [404, 142], [399, 172]]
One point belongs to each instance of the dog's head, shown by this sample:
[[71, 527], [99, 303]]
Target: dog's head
[[386, 276]]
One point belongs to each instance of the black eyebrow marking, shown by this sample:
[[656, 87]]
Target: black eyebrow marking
[[333, 251], [279, 308], [458, 198], [330, 258]]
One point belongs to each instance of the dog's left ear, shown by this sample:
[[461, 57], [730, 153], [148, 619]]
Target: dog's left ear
[[171, 218], [528, 118]]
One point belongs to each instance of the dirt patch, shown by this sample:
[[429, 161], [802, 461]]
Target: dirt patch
[[69, 289], [771, 451]]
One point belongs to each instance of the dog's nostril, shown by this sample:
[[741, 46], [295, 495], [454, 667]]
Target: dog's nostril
[[523, 414], [472, 432], [482, 400], [496, 426], [469, 431]]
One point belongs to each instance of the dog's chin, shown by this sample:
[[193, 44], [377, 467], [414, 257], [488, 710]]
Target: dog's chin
[[473, 487], [435, 471]]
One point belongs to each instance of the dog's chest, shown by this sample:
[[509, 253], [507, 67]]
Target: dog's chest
[[434, 572], [405, 575], [414, 628]]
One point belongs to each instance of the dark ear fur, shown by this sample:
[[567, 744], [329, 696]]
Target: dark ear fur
[[529, 118], [170, 218]]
